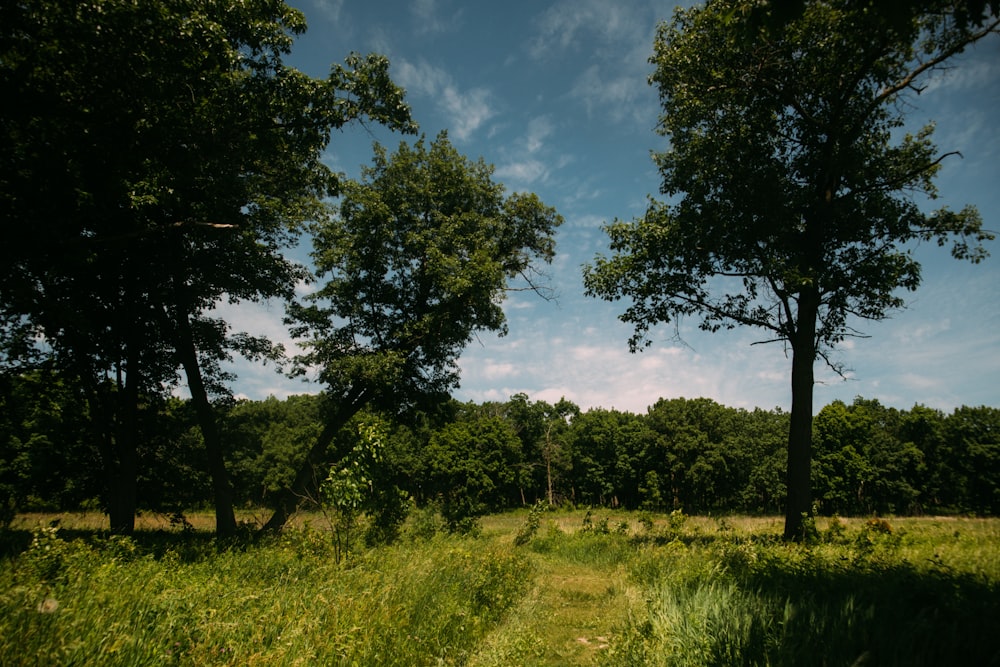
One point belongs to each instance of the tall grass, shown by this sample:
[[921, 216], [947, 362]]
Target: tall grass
[[287, 602], [873, 594], [553, 588]]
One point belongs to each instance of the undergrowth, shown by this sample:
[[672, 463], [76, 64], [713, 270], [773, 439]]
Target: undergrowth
[[874, 594]]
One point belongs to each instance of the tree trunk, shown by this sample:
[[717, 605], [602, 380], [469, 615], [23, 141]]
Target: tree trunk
[[798, 480], [305, 484], [222, 490], [126, 446], [548, 475]]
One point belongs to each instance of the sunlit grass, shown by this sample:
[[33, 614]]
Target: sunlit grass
[[287, 602], [605, 587]]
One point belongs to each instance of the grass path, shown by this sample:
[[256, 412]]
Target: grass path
[[569, 617], [579, 607]]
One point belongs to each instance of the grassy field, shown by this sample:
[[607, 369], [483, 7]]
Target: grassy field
[[549, 588]]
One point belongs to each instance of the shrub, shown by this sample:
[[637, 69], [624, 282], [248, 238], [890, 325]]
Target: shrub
[[529, 529], [49, 559]]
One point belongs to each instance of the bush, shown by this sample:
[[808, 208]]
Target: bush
[[529, 529]]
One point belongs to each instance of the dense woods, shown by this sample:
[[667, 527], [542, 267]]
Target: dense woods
[[467, 459]]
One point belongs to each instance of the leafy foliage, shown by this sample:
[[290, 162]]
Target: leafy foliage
[[161, 156], [357, 485], [793, 203], [416, 263]]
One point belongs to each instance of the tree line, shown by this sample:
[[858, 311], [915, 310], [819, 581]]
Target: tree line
[[467, 459]]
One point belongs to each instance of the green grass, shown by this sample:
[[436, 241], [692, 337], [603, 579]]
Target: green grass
[[608, 591], [286, 602]]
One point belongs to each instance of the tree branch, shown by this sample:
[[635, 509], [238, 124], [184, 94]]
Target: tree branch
[[907, 81]]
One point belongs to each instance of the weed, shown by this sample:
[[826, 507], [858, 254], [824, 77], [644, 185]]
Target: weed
[[529, 529], [835, 532], [424, 523]]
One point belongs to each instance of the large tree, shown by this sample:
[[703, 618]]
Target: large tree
[[159, 156], [793, 200], [417, 262]]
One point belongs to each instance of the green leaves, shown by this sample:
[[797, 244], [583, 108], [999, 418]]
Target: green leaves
[[418, 260], [784, 173], [791, 204]]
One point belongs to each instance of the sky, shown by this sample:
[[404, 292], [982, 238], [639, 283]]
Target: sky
[[555, 96]]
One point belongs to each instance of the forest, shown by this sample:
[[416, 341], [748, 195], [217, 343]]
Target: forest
[[467, 460]]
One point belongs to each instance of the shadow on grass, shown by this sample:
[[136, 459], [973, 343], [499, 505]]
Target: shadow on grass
[[884, 615], [769, 603]]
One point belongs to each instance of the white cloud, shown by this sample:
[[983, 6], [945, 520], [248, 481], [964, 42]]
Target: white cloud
[[621, 95], [593, 368], [430, 18], [493, 370], [974, 71], [587, 221], [523, 172], [330, 9], [580, 22], [466, 110], [533, 163], [920, 332], [539, 130], [616, 39]]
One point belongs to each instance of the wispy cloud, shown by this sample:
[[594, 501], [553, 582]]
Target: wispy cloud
[[493, 370], [329, 9], [574, 23], [527, 161], [430, 18], [523, 171], [593, 368], [614, 81], [976, 70], [622, 95], [467, 110]]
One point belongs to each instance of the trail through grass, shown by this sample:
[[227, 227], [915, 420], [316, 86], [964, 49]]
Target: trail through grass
[[576, 608], [615, 590], [577, 602]]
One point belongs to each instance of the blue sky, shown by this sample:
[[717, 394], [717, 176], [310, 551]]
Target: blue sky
[[554, 94]]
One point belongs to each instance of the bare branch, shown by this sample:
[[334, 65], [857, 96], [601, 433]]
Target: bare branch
[[942, 56]]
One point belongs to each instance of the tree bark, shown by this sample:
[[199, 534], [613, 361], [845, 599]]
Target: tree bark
[[304, 485], [799, 473], [222, 490], [126, 446]]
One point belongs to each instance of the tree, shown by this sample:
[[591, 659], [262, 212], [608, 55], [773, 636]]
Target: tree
[[606, 469], [468, 466], [974, 438], [543, 430], [795, 207], [417, 262], [265, 441], [47, 445], [159, 156]]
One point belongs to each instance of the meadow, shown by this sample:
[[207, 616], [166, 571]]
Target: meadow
[[526, 588]]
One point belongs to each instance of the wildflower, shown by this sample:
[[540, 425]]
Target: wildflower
[[48, 606]]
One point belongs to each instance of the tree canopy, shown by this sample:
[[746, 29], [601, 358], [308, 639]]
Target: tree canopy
[[793, 206], [418, 260], [159, 157]]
